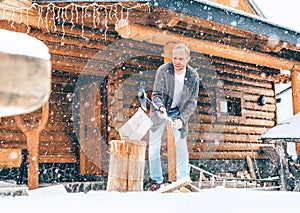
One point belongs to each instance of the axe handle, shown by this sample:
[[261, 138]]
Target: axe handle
[[171, 147]]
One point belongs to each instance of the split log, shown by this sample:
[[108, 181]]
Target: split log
[[126, 166]]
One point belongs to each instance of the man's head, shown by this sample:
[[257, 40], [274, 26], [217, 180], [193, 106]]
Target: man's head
[[180, 57]]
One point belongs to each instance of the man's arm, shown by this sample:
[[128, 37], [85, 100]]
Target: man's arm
[[159, 88]]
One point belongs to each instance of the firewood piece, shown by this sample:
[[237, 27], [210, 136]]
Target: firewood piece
[[175, 185], [251, 168]]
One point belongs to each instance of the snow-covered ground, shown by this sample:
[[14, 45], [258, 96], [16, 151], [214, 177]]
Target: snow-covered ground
[[221, 200]]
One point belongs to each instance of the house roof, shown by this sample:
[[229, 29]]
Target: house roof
[[219, 14], [287, 130], [230, 17]]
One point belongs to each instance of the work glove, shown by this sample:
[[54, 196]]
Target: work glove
[[162, 113]]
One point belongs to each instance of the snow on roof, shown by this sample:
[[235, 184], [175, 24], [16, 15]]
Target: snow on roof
[[287, 129], [22, 44]]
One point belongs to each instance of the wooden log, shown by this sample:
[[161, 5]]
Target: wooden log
[[24, 75], [136, 165], [295, 77], [16, 3], [249, 113], [10, 158], [214, 136], [80, 66], [240, 128], [131, 30], [118, 167], [126, 166], [225, 155], [79, 51], [240, 76], [43, 158], [70, 40], [210, 146]]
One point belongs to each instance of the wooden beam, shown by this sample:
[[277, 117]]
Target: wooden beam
[[234, 146], [33, 133], [16, 3], [225, 155], [157, 36], [295, 79]]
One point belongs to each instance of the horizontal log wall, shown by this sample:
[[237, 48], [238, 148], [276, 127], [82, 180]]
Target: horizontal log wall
[[57, 142], [211, 135], [77, 50]]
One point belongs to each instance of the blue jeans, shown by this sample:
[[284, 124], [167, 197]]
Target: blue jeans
[[154, 151]]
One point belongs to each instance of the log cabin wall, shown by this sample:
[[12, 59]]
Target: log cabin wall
[[213, 133], [217, 131]]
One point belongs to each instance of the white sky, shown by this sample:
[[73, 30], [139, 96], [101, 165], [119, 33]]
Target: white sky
[[282, 12]]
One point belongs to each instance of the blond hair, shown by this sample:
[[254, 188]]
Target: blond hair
[[183, 46]]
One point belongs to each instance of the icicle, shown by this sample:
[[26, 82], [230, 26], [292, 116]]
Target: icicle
[[94, 16], [82, 23], [3, 13], [72, 17], [21, 16], [27, 20], [63, 22], [58, 14], [13, 19], [40, 16]]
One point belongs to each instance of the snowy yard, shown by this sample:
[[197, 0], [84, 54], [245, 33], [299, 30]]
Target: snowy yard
[[55, 199]]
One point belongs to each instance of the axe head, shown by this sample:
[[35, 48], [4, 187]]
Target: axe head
[[142, 98]]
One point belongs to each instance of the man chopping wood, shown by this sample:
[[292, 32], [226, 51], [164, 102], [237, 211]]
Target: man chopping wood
[[175, 94]]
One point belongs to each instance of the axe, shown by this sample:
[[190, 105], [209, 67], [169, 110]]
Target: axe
[[142, 96]]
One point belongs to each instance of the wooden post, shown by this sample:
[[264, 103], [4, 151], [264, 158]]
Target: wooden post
[[168, 48], [295, 80], [33, 133]]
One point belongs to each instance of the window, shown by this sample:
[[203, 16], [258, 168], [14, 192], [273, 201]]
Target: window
[[229, 106]]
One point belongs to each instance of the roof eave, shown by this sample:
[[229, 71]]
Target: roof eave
[[230, 17], [218, 14]]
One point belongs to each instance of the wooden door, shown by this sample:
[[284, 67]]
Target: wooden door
[[91, 142]]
